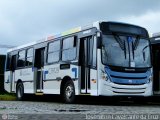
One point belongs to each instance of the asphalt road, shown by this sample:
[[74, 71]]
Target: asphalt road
[[85, 109]]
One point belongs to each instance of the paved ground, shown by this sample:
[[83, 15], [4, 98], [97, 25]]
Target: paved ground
[[81, 110]]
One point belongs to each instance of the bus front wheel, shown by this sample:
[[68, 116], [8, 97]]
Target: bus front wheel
[[68, 92], [20, 91]]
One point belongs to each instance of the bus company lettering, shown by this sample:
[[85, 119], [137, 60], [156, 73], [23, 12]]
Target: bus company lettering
[[53, 70], [24, 73]]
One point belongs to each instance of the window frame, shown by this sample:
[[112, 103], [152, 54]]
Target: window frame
[[8, 62], [48, 63], [29, 56], [75, 41], [94, 45], [22, 59]]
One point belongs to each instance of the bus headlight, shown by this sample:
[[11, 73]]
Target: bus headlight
[[105, 77]]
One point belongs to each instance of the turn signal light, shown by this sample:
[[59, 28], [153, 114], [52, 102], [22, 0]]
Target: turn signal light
[[94, 80]]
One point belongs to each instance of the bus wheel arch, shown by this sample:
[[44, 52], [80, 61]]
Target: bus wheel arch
[[19, 90], [67, 90]]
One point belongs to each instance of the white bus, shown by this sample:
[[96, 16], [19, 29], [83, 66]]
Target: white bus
[[100, 59]]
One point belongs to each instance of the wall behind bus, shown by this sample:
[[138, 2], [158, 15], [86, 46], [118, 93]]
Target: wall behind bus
[[2, 65]]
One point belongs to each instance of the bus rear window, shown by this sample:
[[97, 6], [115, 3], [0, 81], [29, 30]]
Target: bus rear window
[[8, 62]]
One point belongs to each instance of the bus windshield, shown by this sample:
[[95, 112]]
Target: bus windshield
[[124, 51]]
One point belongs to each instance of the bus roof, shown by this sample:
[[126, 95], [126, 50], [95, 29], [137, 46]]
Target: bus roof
[[52, 36], [156, 34], [155, 38], [70, 31]]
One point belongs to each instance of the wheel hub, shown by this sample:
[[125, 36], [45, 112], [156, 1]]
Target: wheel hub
[[20, 92], [69, 91]]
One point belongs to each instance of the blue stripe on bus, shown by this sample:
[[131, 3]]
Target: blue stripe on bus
[[133, 78], [75, 72], [33, 68], [45, 72]]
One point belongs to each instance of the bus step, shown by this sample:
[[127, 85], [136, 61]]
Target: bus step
[[85, 94], [39, 93]]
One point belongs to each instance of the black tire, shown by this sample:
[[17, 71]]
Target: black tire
[[20, 91], [68, 92], [141, 100]]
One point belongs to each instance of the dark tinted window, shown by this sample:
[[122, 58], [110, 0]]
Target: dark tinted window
[[21, 59], [8, 62], [29, 58], [13, 62], [110, 27]]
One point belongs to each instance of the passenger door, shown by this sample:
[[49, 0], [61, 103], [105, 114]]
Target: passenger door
[[86, 65], [38, 69], [12, 72]]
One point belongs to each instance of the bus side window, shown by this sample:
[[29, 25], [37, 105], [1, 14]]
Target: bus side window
[[69, 49], [8, 62], [91, 51], [53, 52], [29, 57], [13, 62], [21, 59]]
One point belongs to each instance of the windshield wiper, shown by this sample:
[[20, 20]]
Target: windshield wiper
[[118, 39], [136, 43], [105, 52], [144, 55], [121, 43], [133, 48]]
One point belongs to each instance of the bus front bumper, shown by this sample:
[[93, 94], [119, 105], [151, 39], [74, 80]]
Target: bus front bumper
[[112, 89]]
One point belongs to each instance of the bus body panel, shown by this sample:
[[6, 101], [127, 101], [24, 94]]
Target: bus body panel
[[28, 87], [94, 82], [7, 84], [51, 86], [111, 89], [54, 72], [53, 76], [27, 77]]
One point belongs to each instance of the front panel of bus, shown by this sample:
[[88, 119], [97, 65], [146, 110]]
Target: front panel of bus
[[125, 60]]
